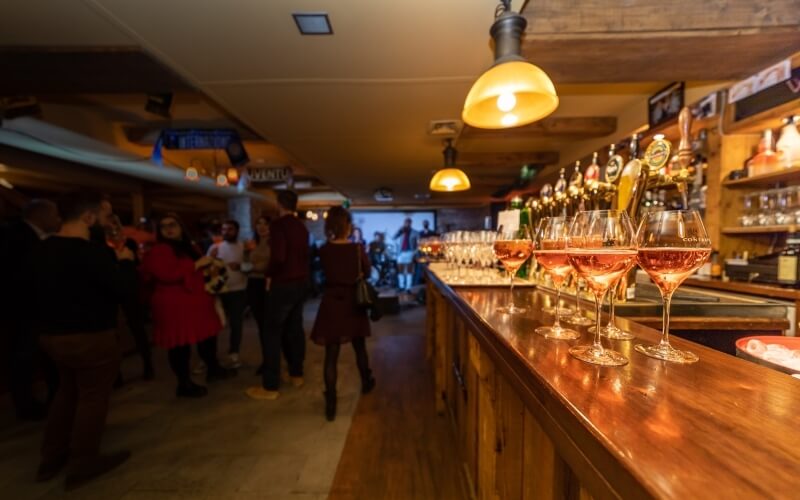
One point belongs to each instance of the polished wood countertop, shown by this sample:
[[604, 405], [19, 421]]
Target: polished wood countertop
[[722, 427]]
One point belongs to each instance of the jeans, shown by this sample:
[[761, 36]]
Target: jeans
[[257, 300], [234, 304], [87, 364], [283, 332]]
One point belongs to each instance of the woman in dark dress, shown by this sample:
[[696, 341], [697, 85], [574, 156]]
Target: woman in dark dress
[[339, 320]]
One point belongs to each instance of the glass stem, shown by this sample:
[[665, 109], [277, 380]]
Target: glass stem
[[667, 297], [611, 297], [511, 280], [557, 324], [598, 306]]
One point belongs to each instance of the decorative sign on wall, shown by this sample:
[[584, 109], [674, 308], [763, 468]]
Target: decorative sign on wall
[[269, 174], [773, 75], [665, 104]]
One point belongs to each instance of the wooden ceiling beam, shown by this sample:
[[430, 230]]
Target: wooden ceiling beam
[[577, 127], [495, 160], [653, 40]]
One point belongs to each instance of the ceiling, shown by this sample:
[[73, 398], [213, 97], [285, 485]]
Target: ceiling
[[354, 108]]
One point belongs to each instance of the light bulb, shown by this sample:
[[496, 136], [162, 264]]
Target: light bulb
[[509, 120], [506, 101]]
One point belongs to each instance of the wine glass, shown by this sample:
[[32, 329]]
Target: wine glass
[[601, 247], [611, 330], [575, 316], [512, 247], [550, 250], [672, 245]]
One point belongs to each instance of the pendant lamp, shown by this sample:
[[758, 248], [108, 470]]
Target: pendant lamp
[[449, 179], [512, 92]]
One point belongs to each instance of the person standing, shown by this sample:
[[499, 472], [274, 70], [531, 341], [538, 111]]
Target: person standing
[[287, 282], [79, 287], [20, 239], [257, 296], [427, 232], [339, 320], [234, 300], [183, 311], [406, 239]]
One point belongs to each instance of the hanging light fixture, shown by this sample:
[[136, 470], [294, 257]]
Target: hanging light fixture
[[449, 179], [512, 92], [191, 172]]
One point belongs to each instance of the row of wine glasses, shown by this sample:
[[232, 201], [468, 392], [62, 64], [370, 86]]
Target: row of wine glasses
[[469, 255], [602, 246]]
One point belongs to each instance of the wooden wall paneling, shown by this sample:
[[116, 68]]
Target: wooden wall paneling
[[447, 365], [714, 187], [471, 412], [487, 429], [439, 359], [542, 469], [511, 417]]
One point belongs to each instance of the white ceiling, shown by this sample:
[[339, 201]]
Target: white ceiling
[[352, 107]]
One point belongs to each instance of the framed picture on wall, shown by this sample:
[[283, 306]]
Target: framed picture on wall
[[665, 104]]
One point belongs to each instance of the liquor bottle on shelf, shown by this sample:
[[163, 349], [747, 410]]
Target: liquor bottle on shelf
[[766, 160], [788, 269], [524, 220], [788, 145]]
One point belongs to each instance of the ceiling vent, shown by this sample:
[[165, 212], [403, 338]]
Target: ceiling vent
[[313, 23], [447, 128]]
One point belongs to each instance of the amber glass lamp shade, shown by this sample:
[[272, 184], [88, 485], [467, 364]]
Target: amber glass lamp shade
[[450, 180], [510, 94], [233, 175]]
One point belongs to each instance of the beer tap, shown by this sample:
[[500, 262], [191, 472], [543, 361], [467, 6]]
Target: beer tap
[[560, 199], [575, 191]]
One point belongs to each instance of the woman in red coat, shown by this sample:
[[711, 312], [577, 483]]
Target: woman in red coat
[[339, 320], [183, 312]]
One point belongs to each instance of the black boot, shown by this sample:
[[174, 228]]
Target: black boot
[[330, 405], [367, 382]]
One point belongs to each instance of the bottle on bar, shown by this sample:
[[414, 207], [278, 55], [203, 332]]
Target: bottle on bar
[[766, 160], [592, 175], [788, 269]]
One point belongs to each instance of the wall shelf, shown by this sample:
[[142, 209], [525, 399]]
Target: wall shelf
[[765, 180], [759, 229]]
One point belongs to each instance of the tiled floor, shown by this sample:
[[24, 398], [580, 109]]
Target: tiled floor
[[220, 447]]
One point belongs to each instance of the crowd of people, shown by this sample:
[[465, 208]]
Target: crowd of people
[[71, 271]]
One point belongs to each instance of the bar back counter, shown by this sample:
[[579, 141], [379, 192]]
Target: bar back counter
[[533, 422]]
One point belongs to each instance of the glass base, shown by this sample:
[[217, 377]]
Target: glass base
[[598, 356], [667, 353], [577, 319], [614, 333], [559, 333], [511, 309]]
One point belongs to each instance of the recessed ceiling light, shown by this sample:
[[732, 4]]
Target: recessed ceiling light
[[313, 23]]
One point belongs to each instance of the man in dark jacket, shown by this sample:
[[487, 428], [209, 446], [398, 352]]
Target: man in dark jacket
[[20, 239], [79, 287], [287, 278]]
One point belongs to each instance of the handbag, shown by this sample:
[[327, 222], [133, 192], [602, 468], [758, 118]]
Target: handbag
[[366, 295]]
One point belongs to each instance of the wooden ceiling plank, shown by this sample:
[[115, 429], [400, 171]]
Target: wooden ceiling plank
[[480, 159], [578, 127]]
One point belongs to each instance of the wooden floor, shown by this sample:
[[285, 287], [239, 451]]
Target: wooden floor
[[397, 447]]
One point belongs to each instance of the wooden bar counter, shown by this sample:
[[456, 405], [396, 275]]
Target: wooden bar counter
[[533, 422]]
